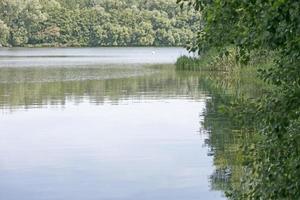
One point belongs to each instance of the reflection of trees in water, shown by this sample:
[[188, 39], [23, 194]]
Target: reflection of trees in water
[[42, 86], [220, 179], [226, 137], [220, 144], [37, 87]]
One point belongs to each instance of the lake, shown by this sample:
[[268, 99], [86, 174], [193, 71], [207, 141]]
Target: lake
[[102, 123]]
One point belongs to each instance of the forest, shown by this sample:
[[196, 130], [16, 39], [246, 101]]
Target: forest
[[64, 23]]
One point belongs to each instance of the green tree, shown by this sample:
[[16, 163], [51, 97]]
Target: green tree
[[273, 25], [94, 22], [4, 34], [19, 36]]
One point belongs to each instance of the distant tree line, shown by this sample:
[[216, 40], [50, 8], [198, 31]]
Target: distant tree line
[[95, 23]]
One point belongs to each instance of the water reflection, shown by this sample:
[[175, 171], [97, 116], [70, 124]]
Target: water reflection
[[119, 132], [35, 87], [229, 136]]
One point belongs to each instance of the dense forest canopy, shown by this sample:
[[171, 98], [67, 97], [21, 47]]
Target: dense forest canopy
[[95, 23]]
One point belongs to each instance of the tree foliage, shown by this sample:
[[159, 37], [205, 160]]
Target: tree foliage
[[4, 33], [95, 23], [271, 25]]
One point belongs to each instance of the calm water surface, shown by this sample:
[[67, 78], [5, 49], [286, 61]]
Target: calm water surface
[[101, 124], [61, 57]]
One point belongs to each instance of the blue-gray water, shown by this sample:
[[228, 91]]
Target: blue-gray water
[[70, 57], [101, 124]]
